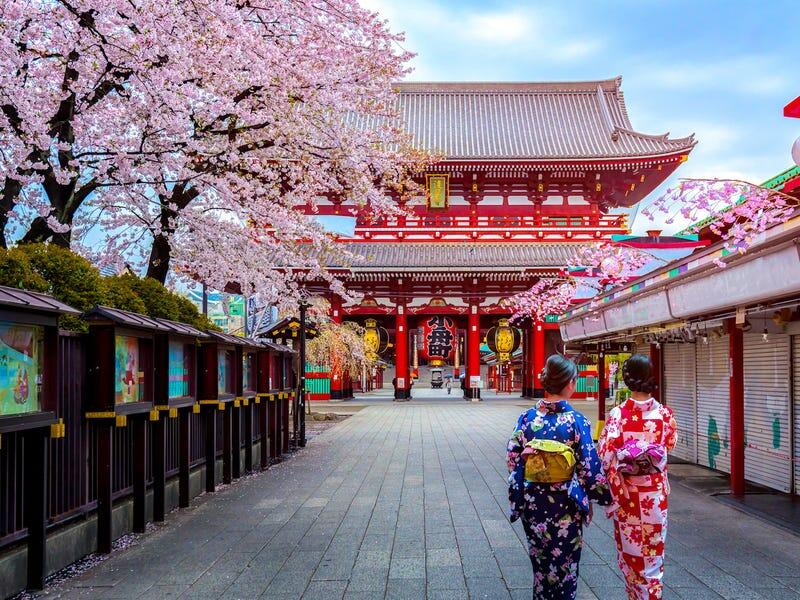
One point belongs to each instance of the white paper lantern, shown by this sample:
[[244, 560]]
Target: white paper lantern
[[796, 152]]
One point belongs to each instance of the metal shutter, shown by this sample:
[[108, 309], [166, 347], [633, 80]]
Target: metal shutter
[[796, 359], [767, 451], [680, 386], [713, 410]]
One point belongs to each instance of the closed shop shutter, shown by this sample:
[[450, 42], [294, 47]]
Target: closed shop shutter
[[796, 353], [713, 422], [767, 454], [680, 386]]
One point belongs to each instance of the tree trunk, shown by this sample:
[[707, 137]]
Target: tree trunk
[[160, 254], [40, 232], [161, 250], [11, 191]]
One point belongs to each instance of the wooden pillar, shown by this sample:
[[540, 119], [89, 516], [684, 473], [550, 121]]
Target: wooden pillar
[[184, 415], [227, 444], [105, 448], [602, 385], [401, 391], [236, 440], [139, 431], [274, 435], [539, 359], [263, 426], [473, 353], [284, 407], [248, 435], [658, 370], [158, 443], [36, 473], [211, 447], [530, 363], [736, 374]]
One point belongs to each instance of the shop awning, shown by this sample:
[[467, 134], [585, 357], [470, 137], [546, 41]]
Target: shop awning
[[695, 286]]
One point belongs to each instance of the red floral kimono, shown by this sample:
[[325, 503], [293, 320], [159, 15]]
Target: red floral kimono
[[640, 500]]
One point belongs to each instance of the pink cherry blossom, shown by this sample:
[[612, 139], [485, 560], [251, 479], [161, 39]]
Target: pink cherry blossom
[[199, 132]]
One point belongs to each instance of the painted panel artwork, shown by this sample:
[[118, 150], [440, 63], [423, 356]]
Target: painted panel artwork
[[20, 368], [225, 372], [129, 380], [179, 370]]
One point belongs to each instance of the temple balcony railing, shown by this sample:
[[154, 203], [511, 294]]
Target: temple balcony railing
[[533, 222], [491, 227]]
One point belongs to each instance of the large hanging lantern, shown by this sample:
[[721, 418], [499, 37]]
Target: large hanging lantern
[[438, 339], [796, 152], [503, 340], [375, 337]]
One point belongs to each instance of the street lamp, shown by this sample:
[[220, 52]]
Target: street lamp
[[793, 110]]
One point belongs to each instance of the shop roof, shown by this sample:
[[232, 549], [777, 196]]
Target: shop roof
[[23, 299], [182, 328], [124, 317]]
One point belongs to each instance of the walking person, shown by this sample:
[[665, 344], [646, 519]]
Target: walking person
[[554, 474], [449, 385], [633, 448]]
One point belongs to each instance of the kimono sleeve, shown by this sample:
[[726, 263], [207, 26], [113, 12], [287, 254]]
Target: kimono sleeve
[[516, 444], [610, 440], [670, 429], [588, 469]]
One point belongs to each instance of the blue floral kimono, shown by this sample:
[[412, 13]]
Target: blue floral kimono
[[553, 514]]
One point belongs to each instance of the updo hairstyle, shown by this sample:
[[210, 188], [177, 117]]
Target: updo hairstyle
[[558, 372], [637, 372]]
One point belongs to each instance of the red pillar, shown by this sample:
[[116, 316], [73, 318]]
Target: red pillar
[[336, 375], [529, 367], [655, 358], [473, 353], [736, 374], [401, 391], [602, 386], [538, 359]]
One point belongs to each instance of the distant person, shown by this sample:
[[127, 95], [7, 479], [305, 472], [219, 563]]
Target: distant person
[[449, 385], [634, 444], [555, 473]]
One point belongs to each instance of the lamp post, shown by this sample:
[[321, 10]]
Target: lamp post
[[300, 405]]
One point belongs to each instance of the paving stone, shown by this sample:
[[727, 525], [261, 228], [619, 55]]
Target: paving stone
[[380, 506], [406, 589]]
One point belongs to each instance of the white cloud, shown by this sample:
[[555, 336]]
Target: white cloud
[[749, 75], [452, 40]]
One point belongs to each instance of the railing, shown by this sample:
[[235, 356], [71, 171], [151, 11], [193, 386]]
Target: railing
[[72, 467], [447, 221]]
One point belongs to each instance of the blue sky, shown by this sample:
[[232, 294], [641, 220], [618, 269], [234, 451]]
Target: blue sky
[[721, 70]]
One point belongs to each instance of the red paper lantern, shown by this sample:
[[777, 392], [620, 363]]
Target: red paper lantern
[[438, 338]]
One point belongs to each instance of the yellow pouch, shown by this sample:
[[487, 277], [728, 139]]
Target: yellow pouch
[[551, 462]]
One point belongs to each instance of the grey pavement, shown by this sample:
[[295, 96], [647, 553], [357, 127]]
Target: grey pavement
[[408, 501]]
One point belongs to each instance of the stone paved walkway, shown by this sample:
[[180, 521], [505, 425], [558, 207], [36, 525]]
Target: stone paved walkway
[[408, 501]]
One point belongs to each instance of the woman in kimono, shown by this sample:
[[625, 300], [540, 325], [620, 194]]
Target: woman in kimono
[[633, 447], [552, 498]]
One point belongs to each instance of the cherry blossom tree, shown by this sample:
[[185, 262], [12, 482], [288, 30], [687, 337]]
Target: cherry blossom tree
[[734, 210], [199, 126], [593, 268]]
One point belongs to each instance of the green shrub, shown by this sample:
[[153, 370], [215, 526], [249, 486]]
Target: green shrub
[[16, 271], [72, 279], [121, 293]]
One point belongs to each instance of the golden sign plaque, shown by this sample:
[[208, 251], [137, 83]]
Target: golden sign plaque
[[438, 190]]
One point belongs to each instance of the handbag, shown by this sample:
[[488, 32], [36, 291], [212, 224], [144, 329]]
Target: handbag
[[548, 461]]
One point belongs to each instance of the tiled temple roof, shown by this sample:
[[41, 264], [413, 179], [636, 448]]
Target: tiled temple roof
[[456, 256], [527, 121]]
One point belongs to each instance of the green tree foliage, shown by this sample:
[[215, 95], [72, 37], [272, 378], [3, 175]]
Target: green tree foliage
[[72, 279]]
